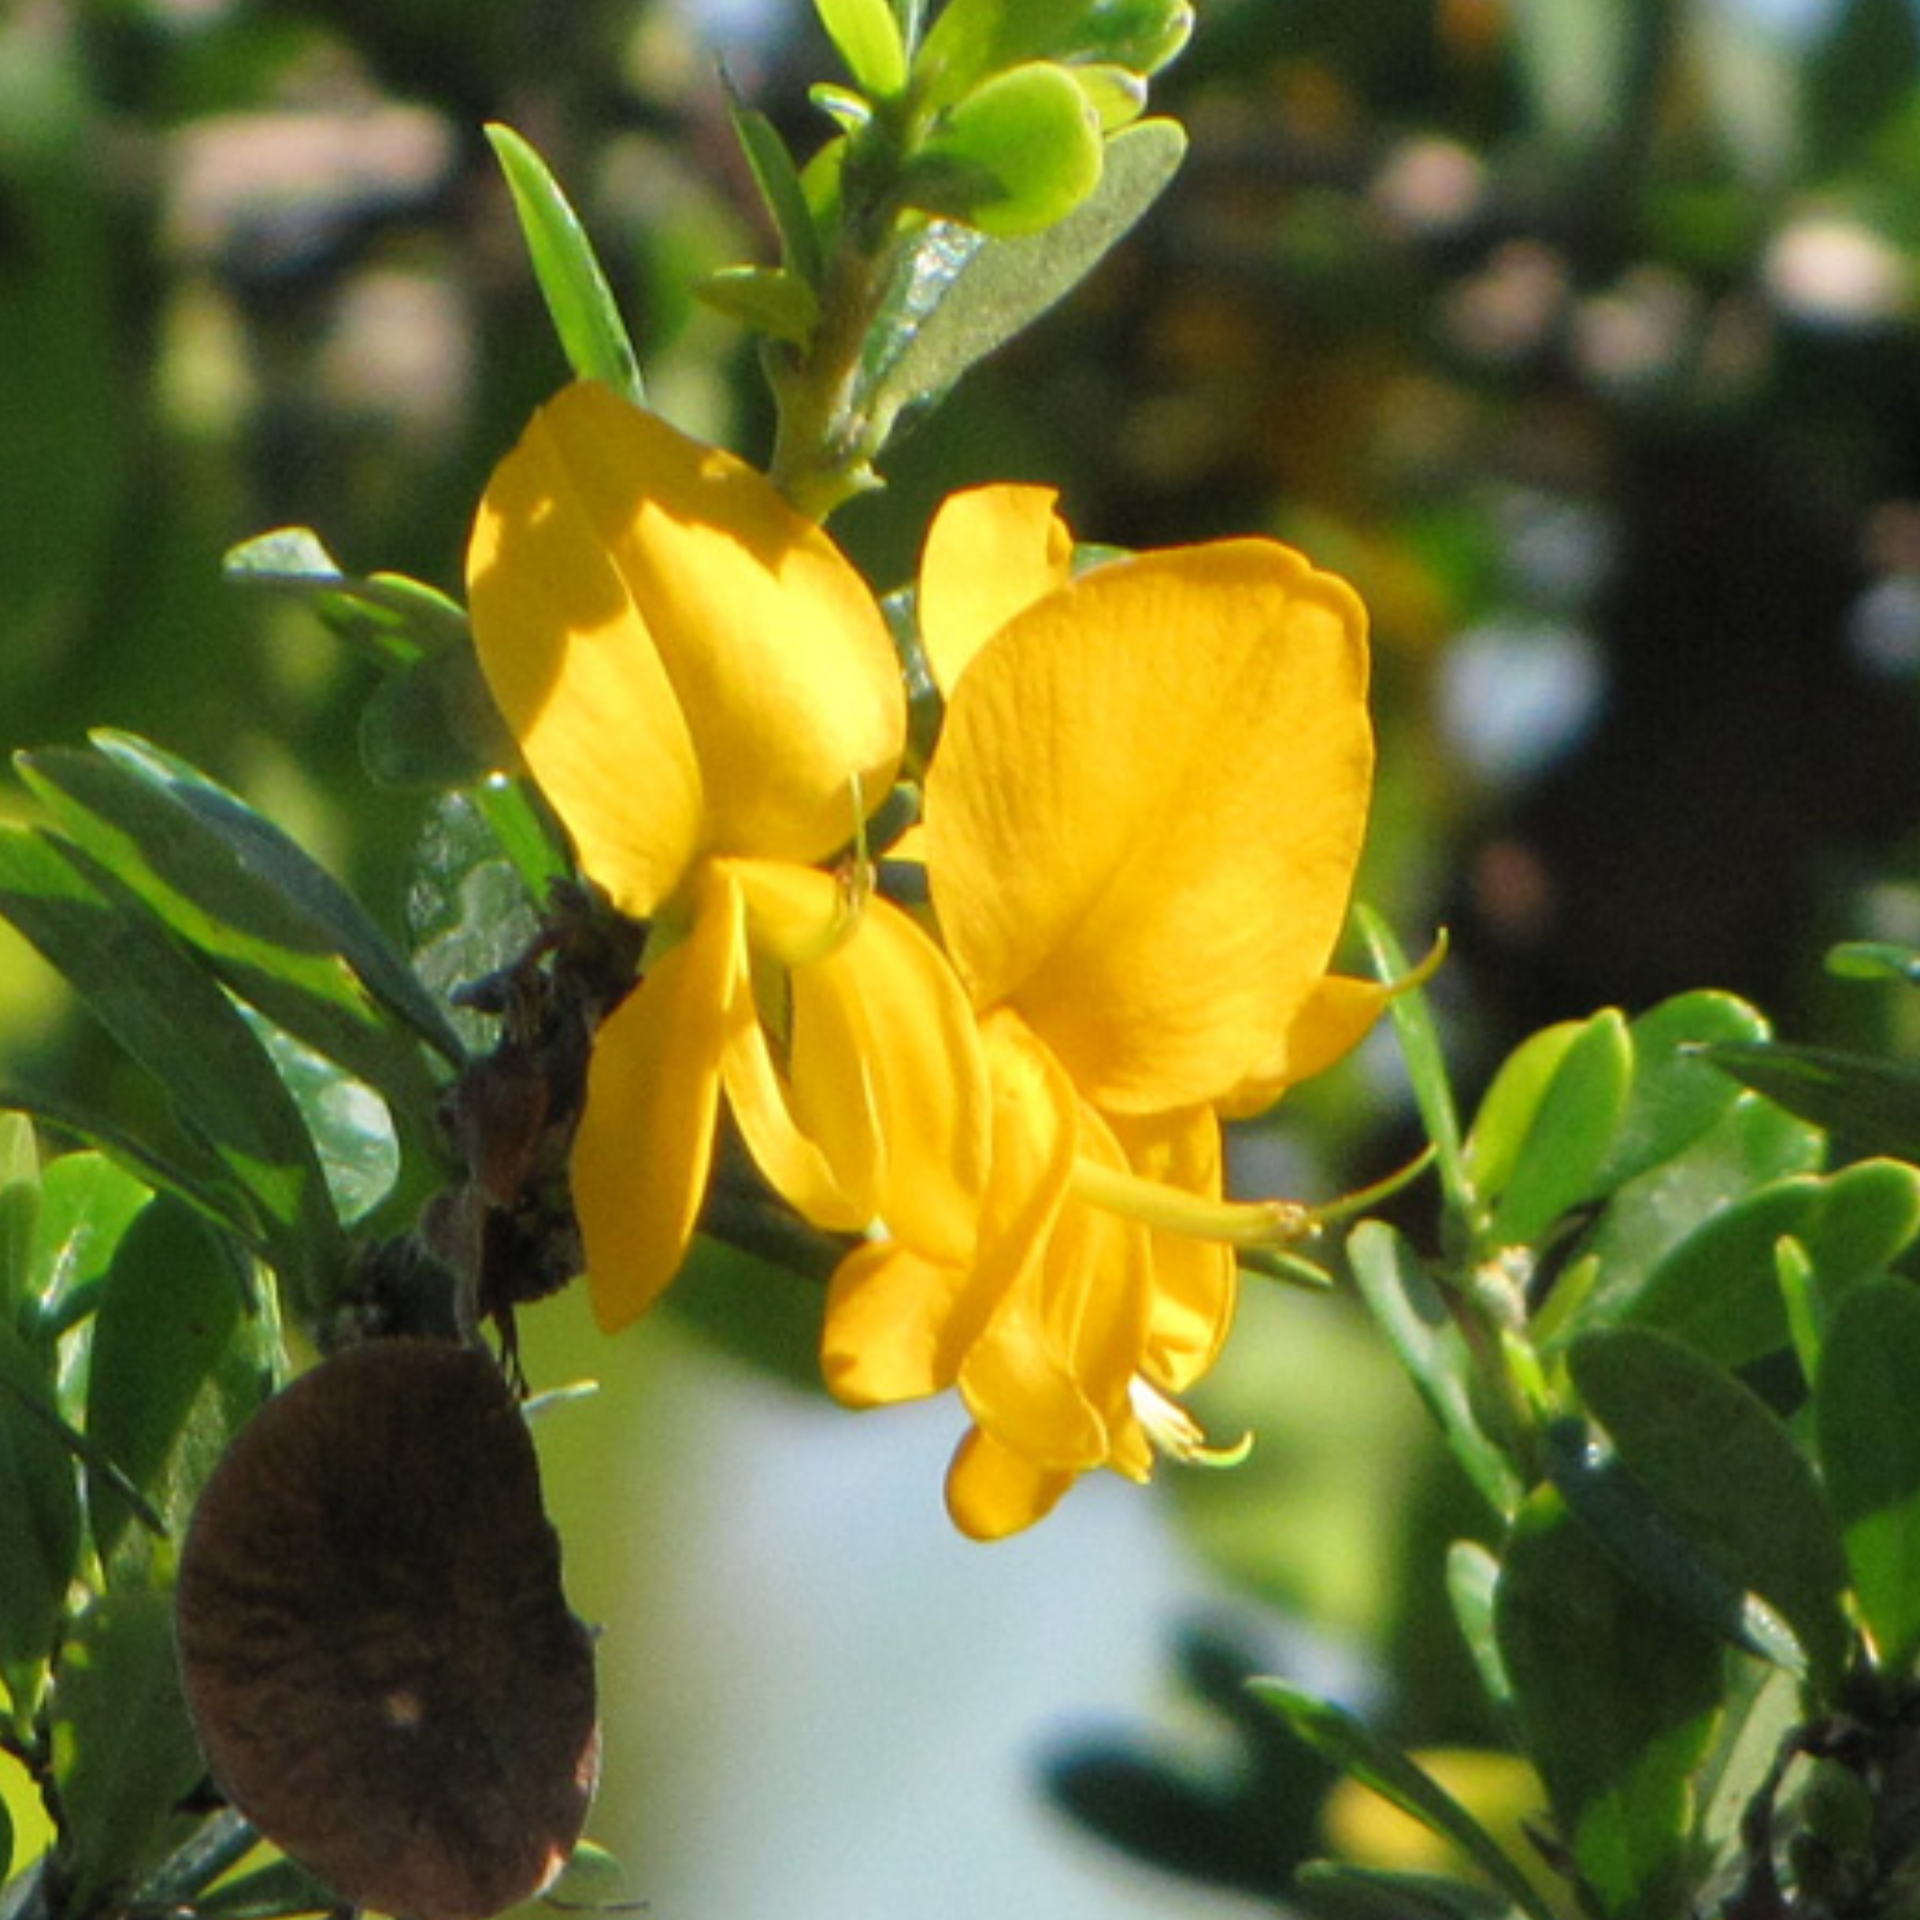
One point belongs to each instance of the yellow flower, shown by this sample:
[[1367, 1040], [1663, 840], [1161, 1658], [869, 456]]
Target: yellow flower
[[704, 689], [1141, 828]]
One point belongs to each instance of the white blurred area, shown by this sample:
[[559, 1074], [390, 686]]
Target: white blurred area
[[821, 1702]]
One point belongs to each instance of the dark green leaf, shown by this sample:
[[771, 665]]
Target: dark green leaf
[[1338, 1890], [177, 1365], [177, 1023], [1721, 1464], [434, 725], [39, 1518], [86, 1203], [1871, 1103], [399, 620], [1650, 1546], [325, 916], [963, 295], [124, 1754], [268, 1893], [1617, 1698], [1355, 1749], [1719, 1289], [1861, 74], [1676, 1095], [276, 928], [1413, 1314], [592, 334], [1864, 1400]]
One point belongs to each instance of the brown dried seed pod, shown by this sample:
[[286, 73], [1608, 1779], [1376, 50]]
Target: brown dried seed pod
[[375, 1644]]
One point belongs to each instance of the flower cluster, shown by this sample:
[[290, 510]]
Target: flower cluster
[[1140, 828]]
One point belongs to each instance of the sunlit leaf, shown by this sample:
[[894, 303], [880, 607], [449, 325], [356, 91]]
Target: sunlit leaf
[[786, 200], [19, 1209], [866, 35], [1869, 1442], [585, 315], [972, 39], [769, 300]]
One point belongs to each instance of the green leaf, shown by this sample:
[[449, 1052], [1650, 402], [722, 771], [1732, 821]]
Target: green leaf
[[1547, 1124], [1719, 1288], [124, 1755], [19, 1210], [1355, 1749], [1875, 960], [1419, 1037], [786, 199], [87, 1202], [1338, 1889], [397, 619], [592, 334], [271, 1892], [1412, 1312], [1676, 1095], [1864, 1398], [1753, 1144], [1871, 1103], [1721, 1463], [173, 1019], [769, 300], [974, 39], [275, 926], [39, 1519], [866, 35], [1617, 1698], [178, 1363], [434, 725], [962, 295], [323, 914], [1473, 1577], [1012, 158]]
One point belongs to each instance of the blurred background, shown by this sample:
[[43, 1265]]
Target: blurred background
[[1583, 335]]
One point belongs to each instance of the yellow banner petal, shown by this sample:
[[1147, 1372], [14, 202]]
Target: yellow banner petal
[[645, 1143], [990, 554], [700, 588], [1145, 812]]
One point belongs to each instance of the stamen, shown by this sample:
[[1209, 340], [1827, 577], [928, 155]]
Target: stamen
[[1176, 1433], [1236, 1223]]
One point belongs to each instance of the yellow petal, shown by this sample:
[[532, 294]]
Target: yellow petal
[[891, 1330], [635, 591], [1144, 815], [1335, 1018], [1195, 1281], [645, 1143], [990, 554], [993, 1492]]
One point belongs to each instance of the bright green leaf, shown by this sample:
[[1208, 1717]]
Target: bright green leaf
[[87, 1202], [1014, 157], [1864, 1400], [1676, 1095], [1617, 1698], [1721, 1464], [585, 316], [1564, 1136], [1117, 97], [866, 35], [767, 300], [1412, 1312], [1473, 1577], [786, 199], [974, 39], [19, 1210]]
